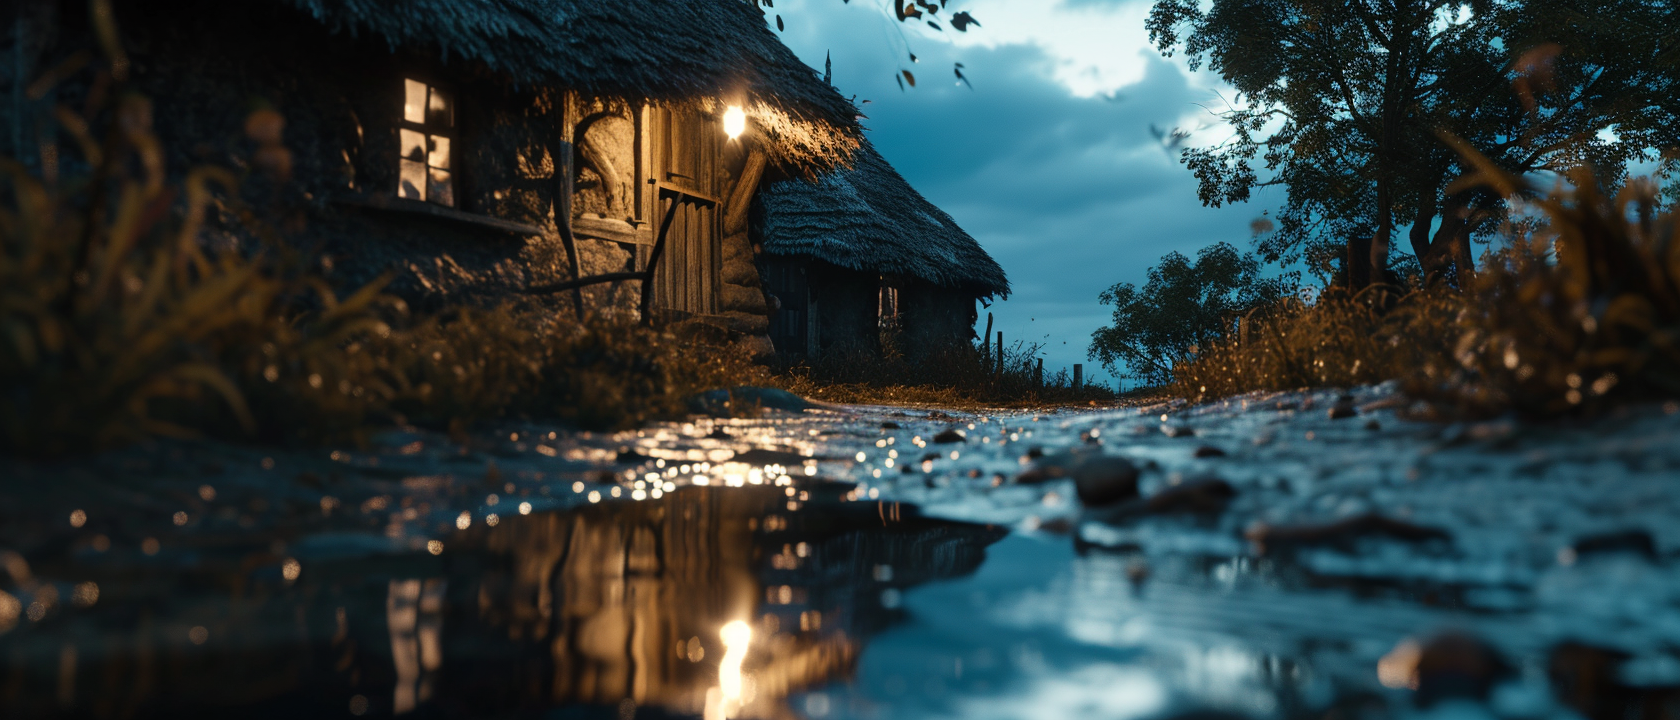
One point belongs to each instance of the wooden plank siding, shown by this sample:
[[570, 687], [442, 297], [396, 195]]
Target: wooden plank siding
[[685, 152]]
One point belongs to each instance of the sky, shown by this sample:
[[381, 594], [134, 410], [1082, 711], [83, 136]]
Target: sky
[[1049, 161]]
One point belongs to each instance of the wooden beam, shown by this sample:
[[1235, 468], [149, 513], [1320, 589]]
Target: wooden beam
[[564, 172], [580, 282], [740, 198], [658, 250]]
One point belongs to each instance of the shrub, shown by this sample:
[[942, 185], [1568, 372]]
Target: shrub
[[1579, 315]]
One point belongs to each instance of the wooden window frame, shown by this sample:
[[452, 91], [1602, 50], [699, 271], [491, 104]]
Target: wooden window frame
[[430, 130]]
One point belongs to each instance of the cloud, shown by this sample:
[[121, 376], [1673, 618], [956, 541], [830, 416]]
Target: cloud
[[1068, 190]]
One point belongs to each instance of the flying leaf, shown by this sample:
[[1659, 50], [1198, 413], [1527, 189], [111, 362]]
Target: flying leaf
[[779, 25], [960, 77], [900, 83], [913, 58], [909, 78], [962, 20], [935, 26]]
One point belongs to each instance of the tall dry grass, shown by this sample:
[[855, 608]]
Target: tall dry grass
[[959, 374], [132, 306], [1575, 314]]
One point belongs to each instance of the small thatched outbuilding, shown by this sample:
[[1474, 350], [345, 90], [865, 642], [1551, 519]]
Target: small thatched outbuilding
[[858, 254]]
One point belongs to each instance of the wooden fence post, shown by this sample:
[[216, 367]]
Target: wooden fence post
[[985, 338], [1038, 375], [997, 375], [1078, 376]]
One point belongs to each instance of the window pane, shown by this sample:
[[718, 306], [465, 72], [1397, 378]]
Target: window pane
[[413, 182], [440, 190], [440, 113], [413, 145], [414, 101], [439, 156]]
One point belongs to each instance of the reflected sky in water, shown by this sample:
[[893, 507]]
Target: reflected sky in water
[[845, 565]]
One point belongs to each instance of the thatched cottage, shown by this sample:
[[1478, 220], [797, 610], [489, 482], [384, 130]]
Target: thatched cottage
[[859, 252], [596, 157]]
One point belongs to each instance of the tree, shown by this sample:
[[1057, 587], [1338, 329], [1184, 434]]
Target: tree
[[1181, 307], [1345, 102]]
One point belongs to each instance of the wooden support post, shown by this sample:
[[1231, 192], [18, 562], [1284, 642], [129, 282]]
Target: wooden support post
[[997, 375], [653, 259], [1038, 375], [985, 338], [1078, 376], [740, 198], [564, 172]]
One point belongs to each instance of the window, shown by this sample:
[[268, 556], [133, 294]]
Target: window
[[427, 127]]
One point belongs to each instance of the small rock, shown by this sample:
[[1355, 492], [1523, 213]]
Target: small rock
[[1373, 425], [1635, 541], [719, 434], [1209, 451], [1178, 431], [890, 425], [628, 456], [760, 456], [1588, 679], [1049, 467], [952, 435], [1457, 665], [1208, 495], [1035, 452], [1058, 526], [1343, 409], [1341, 532], [1105, 480]]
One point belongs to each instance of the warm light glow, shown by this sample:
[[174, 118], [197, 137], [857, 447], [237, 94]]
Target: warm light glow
[[1398, 669], [725, 700], [734, 121]]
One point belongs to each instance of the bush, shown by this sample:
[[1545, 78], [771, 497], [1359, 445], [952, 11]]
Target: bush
[[1337, 341], [1578, 316]]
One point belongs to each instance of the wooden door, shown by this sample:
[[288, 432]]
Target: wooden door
[[685, 163]]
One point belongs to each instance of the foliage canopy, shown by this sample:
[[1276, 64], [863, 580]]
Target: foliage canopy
[[1183, 306]]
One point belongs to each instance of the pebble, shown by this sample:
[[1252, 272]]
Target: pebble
[[1635, 541], [1178, 431], [1341, 532], [1343, 409], [1209, 451], [1105, 480], [950, 436], [1455, 665]]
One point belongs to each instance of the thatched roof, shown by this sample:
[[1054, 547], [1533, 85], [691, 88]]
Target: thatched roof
[[868, 218], [668, 51]]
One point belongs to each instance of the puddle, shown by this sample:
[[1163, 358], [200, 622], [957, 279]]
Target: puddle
[[845, 565]]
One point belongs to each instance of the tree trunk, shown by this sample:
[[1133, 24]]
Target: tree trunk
[[1453, 238]]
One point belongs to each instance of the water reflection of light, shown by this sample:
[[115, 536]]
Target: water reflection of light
[[726, 699], [1398, 669]]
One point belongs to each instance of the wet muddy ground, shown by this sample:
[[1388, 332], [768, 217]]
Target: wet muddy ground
[[1291, 556]]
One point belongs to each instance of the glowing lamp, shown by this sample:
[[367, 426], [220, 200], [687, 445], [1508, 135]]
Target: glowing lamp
[[734, 121]]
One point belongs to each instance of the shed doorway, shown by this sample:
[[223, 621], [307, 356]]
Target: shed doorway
[[685, 152]]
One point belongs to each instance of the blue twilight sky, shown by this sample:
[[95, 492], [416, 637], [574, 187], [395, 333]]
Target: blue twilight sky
[[1049, 161]]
